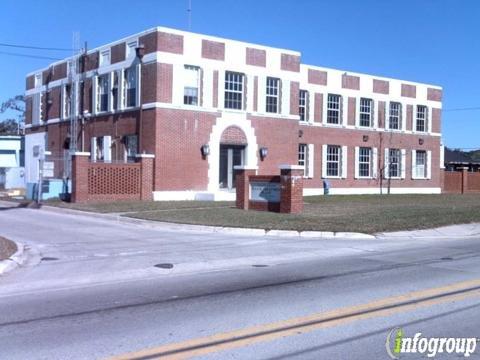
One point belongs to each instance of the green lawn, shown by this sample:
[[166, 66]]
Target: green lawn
[[357, 213]]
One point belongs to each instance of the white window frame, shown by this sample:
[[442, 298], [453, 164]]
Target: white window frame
[[424, 119], [196, 86], [125, 87], [373, 159], [238, 80], [337, 109], [387, 163], [98, 93], [369, 112], [427, 171], [392, 114], [66, 101], [343, 162], [38, 80], [37, 116], [306, 159], [272, 92], [303, 103]]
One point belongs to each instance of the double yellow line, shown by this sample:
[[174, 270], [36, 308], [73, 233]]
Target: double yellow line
[[268, 332]]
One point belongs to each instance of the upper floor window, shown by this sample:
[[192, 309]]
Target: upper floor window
[[234, 90], [191, 85], [37, 108], [67, 100], [130, 87], [38, 80], [421, 123], [105, 57], [333, 109], [273, 95], [102, 93], [115, 91], [333, 160], [365, 162], [303, 105], [395, 116], [366, 112]]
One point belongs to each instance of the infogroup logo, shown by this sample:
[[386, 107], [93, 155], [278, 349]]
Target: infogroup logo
[[397, 343]]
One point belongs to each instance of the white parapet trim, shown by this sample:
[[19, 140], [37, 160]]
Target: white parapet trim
[[372, 190], [146, 156], [291, 167]]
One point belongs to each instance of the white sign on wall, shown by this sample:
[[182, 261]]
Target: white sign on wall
[[265, 191]]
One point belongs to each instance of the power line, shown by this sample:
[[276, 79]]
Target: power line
[[28, 56], [462, 109], [35, 47]]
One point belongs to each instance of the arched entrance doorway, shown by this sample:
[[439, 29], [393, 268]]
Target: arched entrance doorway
[[233, 143]]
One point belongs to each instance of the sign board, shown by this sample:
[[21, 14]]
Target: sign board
[[48, 167], [265, 191]]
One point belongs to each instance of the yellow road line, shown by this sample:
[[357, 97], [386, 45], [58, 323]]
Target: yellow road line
[[299, 325]]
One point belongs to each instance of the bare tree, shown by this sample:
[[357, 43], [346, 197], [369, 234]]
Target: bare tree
[[16, 105]]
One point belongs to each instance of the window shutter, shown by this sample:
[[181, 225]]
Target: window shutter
[[414, 157], [343, 111], [375, 162], [429, 164], [62, 102], [107, 148], [344, 157], [374, 122], [324, 161], [403, 119], [93, 149], [386, 161], [357, 151], [386, 120], [110, 92], [357, 111], [307, 107], [138, 93], [311, 155], [428, 122], [95, 95], [403, 163], [121, 89]]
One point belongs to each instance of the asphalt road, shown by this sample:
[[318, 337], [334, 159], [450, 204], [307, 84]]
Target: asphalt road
[[90, 289]]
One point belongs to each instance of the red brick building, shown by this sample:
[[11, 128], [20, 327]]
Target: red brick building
[[202, 105]]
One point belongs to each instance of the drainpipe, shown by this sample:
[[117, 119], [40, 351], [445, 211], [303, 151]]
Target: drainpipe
[[140, 52]]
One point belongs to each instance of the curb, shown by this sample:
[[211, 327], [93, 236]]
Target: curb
[[13, 261], [208, 228]]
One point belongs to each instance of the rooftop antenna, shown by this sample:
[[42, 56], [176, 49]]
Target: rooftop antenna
[[189, 12]]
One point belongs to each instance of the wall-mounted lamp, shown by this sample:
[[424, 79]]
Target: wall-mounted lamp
[[420, 141], [50, 102], [300, 133], [205, 149], [263, 152], [365, 138]]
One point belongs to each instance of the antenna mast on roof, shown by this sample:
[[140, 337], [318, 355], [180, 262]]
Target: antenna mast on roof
[[73, 65], [189, 12]]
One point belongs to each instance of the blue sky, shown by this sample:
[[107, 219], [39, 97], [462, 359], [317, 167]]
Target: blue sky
[[420, 40]]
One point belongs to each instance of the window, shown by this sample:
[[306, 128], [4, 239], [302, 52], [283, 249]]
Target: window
[[234, 90], [421, 118], [273, 95], [333, 109], [36, 109], [394, 163], [67, 101], [303, 105], [421, 164], [130, 50], [365, 162], [105, 57], [102, 91], [305, 158], [130, 87], [38, 80], [366, 112], [131, 147], [115, 90], [191, 84], [99, 154], [333, 160], [395, 116]]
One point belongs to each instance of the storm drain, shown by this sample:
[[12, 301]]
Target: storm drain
[[48, 258], [164, 266], [446, 258], [260, 265]]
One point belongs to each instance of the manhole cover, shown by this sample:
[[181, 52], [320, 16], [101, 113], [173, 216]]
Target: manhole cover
[[446, 258], [164, 266], [260, 265], [47, 258]]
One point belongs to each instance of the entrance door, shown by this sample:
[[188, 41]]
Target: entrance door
[[230, 156]]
